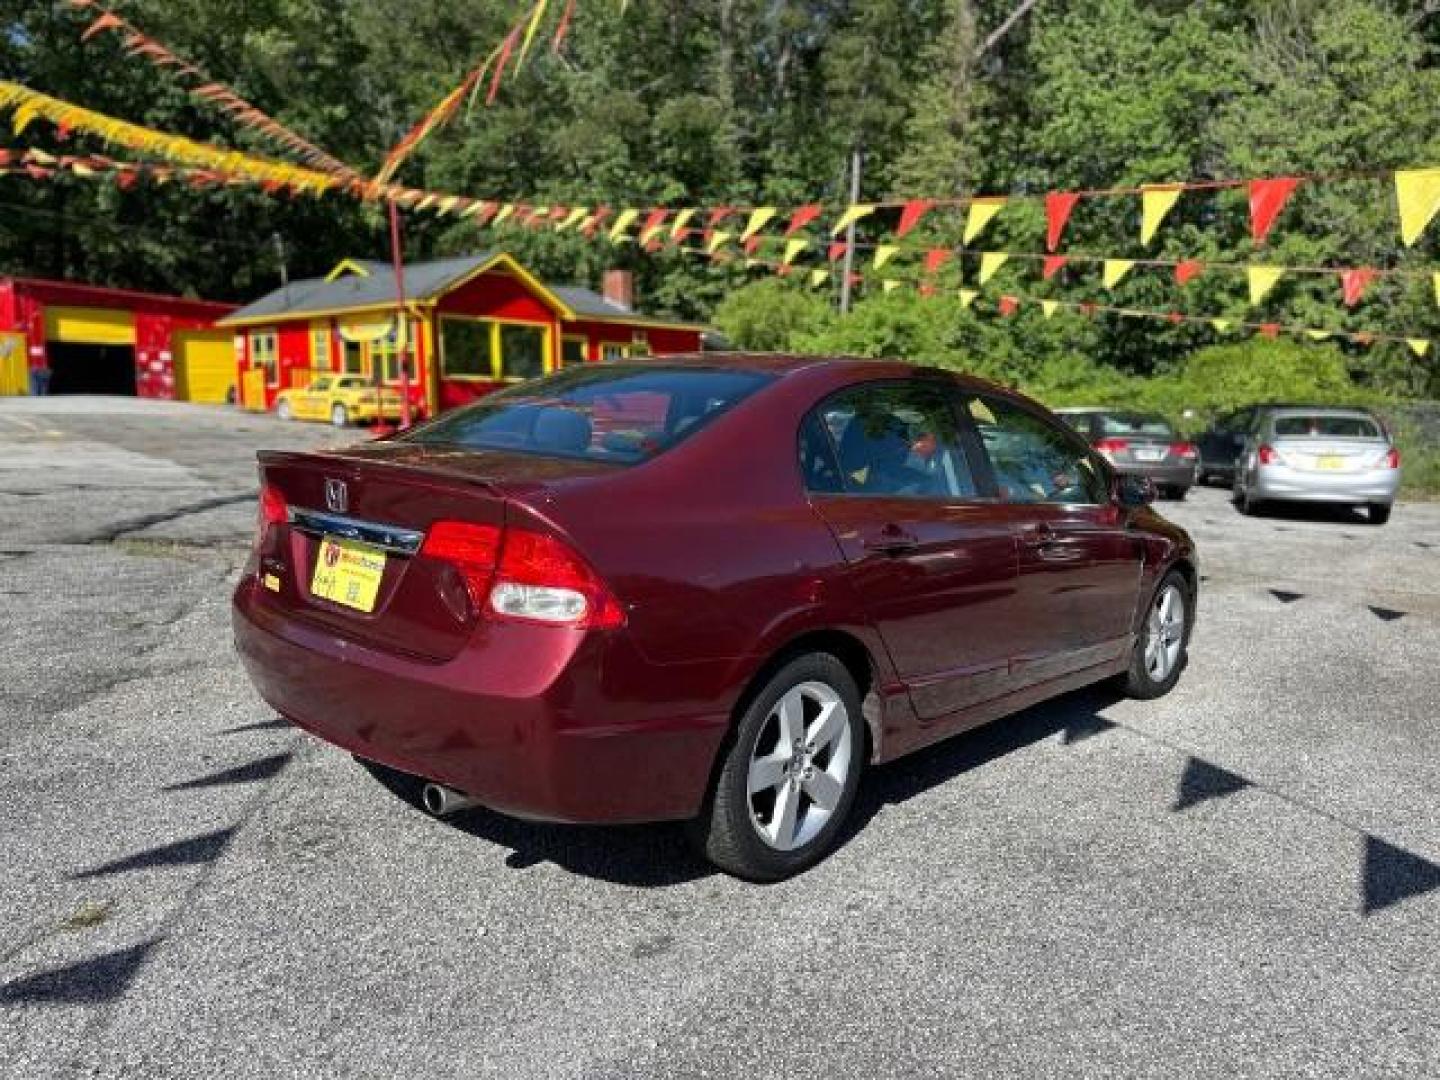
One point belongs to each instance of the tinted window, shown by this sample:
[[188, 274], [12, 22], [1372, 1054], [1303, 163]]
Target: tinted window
[[1134, 424], [617, 413], [1321, 426], [817, 458], [893, 439], [1035, 461]]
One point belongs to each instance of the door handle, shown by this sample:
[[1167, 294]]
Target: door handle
[[891, 540]]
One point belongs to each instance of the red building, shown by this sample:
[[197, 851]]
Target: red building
[[474, 323], [95, 340]]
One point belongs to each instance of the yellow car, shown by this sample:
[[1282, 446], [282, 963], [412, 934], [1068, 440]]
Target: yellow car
[[341, 399]]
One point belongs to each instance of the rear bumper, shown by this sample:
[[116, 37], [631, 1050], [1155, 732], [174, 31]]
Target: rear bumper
[[540, 723], [1281, 483], [1164, 475]]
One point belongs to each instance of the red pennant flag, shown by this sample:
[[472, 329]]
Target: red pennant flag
[[653, 220], [802, 217], [836, 250], [935, 258], [719, 214], [856, 279], [593, 225], [654, 243], [1088, 308], [1355, 281], [505, 50], [1009, 305], [1058, 205], [564, 27], [1364, 337], [486, 212], [1267, 199], [126, 180], [1175, 318], [1270, 330], [108, 21], [914, 210], [783, 269], [927, 290], [1187, 270], [1053, 265], [751, 243]]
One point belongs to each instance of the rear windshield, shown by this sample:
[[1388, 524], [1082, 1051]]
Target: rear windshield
[[1332, 427], [1134, 424], [610, 413]]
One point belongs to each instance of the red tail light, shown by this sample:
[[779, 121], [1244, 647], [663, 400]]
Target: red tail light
[[1268, 455], [1112, 446], [524, 575], [1185, 450], [273, 511], [1392, 459], [471, 549]]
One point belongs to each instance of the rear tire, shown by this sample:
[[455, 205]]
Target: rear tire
[[284, 411], [1163, 643], [339, 416], [1245, 503], [779, 804], [1378, 513]]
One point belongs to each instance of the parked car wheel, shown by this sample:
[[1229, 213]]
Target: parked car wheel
[[284, 411], [1378, 513], [338, 415], [1161, 645], [789, 778], [1176, 493], [1245, 502]]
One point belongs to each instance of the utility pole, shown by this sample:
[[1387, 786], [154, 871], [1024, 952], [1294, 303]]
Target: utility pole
[[847, 267], [284, 268], [402, 329]]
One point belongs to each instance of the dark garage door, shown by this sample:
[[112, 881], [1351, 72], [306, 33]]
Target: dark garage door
[[92, 369]]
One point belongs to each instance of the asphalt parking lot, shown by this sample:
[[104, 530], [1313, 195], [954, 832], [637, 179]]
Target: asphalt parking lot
[[1241, 879]]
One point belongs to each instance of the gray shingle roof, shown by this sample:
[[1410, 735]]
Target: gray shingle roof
[[423, 281]]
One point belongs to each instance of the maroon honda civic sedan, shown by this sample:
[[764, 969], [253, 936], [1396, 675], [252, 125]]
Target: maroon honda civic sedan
[[708, 588]]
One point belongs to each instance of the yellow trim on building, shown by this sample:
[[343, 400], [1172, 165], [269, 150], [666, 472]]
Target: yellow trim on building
[[89, 326], [347, 266]]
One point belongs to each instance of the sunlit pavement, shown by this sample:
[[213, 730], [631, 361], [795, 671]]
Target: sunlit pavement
[[1241, 879]]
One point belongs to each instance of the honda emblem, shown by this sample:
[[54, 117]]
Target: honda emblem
[[337, 499]]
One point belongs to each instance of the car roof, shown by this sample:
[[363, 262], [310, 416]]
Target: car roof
[[1320, 410], [785, 364]]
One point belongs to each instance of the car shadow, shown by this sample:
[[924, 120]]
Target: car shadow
[[656, 856], [1318, 513]]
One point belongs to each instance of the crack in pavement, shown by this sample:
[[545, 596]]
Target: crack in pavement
[[115, 532]]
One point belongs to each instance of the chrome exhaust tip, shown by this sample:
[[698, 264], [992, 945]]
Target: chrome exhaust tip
[[443, 801]]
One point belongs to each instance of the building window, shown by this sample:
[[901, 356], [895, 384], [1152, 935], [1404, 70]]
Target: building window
[[320, 348], [572, 350], [353, 358], [487, 349], [384, 353], [640, 344], [264, 354], [613, 351]]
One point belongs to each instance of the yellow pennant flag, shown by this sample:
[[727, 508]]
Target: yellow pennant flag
[[1418, 193], [852, 214], [622, 223], [982, 212], [793, 248], [759, 217], [503, 213], [535, 18], [1419, 346], [1437, 288], [1156, 202], [891, 284], [716, 239], [427, 202], [1220, 325], [967, 297], [573, 218], [883, 254], [682, 219], [1115, 269], [1262, 280], [1049, 307], [448, 204], [24, 116], [1319, 335], [990, 263], [818, 277]]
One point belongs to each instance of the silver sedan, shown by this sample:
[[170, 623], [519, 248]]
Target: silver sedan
[[1340, 456]]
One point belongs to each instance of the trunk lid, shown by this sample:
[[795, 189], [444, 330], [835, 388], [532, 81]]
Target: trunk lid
[[1330, 454]]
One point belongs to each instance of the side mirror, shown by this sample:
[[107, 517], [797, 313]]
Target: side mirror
[[1133, 492]]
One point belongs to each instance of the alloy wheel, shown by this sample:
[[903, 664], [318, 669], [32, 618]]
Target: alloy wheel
[[799, 766], [1164, 633]]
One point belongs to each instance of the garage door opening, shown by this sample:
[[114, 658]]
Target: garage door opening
[[92, 369]]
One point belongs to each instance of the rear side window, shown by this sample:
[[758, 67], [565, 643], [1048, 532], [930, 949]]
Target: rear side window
[[891, 439], [615, 413], [1035, 461], [1332, 427], [1134, 424]]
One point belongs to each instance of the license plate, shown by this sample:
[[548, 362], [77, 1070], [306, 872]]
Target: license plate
[[1330, 461], [348, 573], [1143, 454]]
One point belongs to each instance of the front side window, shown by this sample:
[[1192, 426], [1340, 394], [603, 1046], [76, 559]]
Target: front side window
[[1033, 460], [895, 439]]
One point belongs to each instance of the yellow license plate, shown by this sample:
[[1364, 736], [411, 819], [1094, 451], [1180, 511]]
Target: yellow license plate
[[1330, 461], [348, 573]]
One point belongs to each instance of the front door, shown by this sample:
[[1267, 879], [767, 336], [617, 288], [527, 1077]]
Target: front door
[[1079, 565], [932, 561]]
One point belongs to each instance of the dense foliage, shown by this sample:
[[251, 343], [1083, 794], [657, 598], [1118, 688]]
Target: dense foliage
[[678, 102]]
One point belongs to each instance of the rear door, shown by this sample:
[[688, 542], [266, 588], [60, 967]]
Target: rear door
[[890, 467], [1079, 565]]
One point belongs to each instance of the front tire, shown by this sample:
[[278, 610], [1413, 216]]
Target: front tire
[[339, 416], [284, 411], [789, 777], [1164, 639]]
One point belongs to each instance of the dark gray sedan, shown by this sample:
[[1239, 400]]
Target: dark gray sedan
[[1138, 444]]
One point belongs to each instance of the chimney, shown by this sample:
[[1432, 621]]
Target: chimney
[[619, 288]]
